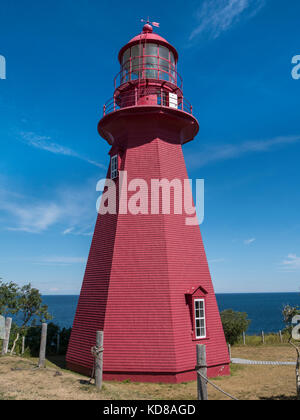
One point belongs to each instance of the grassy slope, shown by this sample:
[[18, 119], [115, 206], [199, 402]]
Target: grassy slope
[[246, 382]]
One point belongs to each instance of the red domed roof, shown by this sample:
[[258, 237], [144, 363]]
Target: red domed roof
[[148, 36]]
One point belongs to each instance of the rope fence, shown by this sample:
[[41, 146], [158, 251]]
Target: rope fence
[[215, 386]]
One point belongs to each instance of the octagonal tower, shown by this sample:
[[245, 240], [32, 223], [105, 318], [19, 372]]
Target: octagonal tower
[[147, 282]]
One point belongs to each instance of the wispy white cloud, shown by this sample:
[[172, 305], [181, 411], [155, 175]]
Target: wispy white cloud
[[68, 231], [80, 232], [72, 206], [249, 241], [59, 260], [222, 152], [45, 143], [217, 16], [30, 218], [291, 263]]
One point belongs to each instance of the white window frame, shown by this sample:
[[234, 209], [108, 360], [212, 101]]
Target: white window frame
[[200, 318], [114, 166]]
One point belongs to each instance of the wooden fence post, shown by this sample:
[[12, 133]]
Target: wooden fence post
[[229, 350], [280, 335], [99, 359], [263, 337], [23, 344], [201, 368], [244, 338], [42, 358], [8, 322]]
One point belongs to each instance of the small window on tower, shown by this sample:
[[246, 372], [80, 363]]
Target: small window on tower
[[114, 167], [200, 327]]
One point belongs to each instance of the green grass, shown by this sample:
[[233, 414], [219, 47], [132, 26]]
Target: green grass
[[2, 397], [270, 339], [235, 369]]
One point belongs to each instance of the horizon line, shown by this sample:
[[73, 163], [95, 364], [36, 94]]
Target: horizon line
[[217, 293]]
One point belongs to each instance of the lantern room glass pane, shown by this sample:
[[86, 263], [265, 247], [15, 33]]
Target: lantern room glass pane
[[125, 58], [150, 61], [125, 66], [164, 66], [172, 68], [136, 61], [150, 49], [164, 52], [164, 70], [172, 58]]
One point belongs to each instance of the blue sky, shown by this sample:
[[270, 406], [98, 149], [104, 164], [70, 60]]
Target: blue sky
[[235, 59]]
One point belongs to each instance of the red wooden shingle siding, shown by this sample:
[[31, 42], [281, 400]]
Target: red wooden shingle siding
[[138, 271]]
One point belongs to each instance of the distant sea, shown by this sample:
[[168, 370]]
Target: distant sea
[[263, 309]]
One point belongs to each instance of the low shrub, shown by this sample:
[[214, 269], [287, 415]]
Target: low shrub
[[234, 324], [33, 336]]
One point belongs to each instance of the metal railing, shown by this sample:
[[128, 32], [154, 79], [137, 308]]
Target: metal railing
[[146, 97]]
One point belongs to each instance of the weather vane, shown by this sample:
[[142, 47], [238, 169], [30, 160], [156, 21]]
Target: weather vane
[[156, 24]]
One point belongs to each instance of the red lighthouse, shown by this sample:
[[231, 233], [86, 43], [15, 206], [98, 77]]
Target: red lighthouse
[[147, 282]]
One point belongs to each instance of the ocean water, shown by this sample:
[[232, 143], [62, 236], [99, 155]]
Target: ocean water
[[263, 309]]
